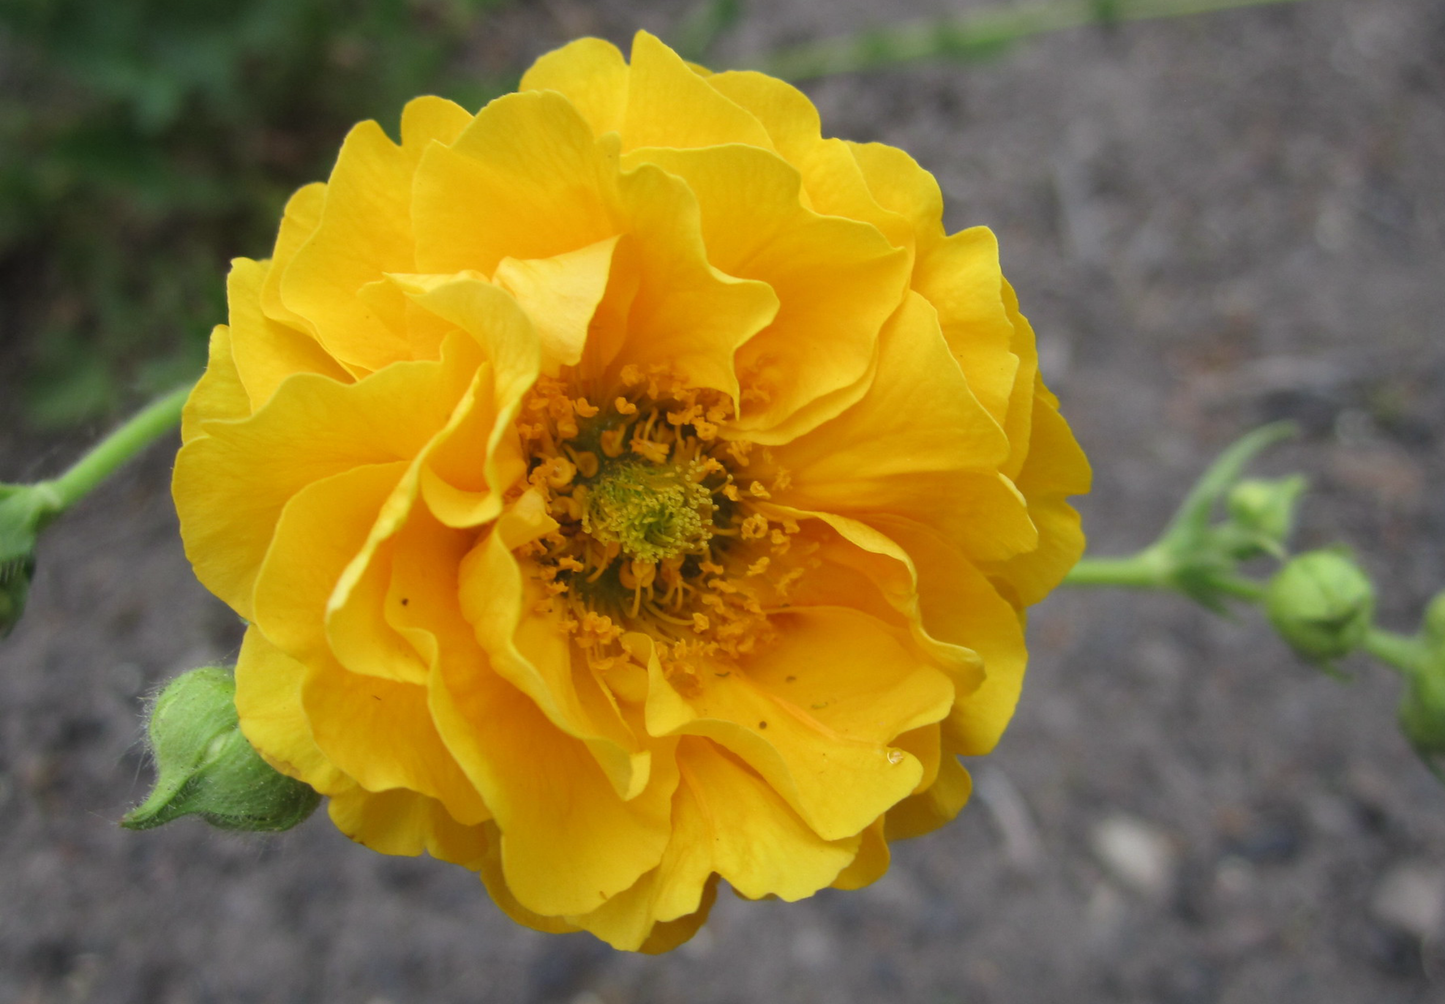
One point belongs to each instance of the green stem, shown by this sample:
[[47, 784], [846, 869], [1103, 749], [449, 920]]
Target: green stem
[[1400, 651], [135, 434], [970, 36], [1149, 569]]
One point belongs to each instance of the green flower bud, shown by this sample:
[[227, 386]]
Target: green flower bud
[[1422, 714], [24, 511], [1322, 604], [15, 575], [205, 767], [1433, 627], [1262, 513]]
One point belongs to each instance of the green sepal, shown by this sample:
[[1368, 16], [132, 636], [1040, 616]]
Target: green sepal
[[1262, 514]]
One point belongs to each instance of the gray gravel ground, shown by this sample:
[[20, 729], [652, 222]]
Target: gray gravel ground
[[1212, 222]]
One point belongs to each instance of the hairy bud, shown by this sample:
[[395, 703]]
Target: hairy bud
[[205, 767]]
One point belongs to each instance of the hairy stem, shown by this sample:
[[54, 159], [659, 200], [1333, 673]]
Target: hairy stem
[[134, 435]]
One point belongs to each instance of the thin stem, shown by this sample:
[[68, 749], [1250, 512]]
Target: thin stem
[[1399, 651], [1240, 588], [971, 36], [135, 434], [1149, 569]]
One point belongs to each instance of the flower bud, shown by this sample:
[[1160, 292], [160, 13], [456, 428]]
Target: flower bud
[[1322, 604], [1433, 627], [24, 510], [15, 575], [1422, 713], [1262, 511], [205, 767]]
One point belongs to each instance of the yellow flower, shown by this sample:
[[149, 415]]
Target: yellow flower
[[627, 488]]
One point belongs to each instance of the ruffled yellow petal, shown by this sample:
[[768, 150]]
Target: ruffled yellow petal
[[670, 105], [231, 484], [569, 852], [957, 605], [754, 839], [219, 394], [267, 351], [918, 417], [524, 180], [899, 185], [302, 217], [828, 757], [960, 276], [430, 119], [329, 520], [870, 863], [1055, 469], [560, 294], [836, 280], [364, 232], [960, 605], [490, 869], [531, 652], [726, 821], [917, 447], [832, 179], [929, 809], [685, 314], [268, 701], [469, 466], [381, 733], [1019, 421], [403, 822], [593, 75]]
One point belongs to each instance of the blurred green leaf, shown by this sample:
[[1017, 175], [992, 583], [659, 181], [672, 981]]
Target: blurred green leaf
[[145, 143]]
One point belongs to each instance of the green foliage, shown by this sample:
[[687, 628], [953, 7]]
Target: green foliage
[[145, 142]]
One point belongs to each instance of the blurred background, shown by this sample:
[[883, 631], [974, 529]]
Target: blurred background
[[1212, 221]]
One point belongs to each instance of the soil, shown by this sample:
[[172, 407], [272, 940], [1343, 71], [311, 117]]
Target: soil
[[1212, 222]]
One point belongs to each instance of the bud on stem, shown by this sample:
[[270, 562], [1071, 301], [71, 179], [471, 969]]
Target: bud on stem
[[205, 767], [1322, 604]]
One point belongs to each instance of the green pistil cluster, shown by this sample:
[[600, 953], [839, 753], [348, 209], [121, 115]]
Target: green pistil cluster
[[653, 511]]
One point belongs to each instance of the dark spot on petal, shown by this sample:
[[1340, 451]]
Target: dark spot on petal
[[404, 601], [762, 725], [789, 679]]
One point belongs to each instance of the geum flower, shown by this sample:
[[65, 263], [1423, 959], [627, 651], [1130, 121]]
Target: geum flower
[[627, 487]]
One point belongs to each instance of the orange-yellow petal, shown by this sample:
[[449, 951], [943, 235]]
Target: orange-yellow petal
[[569, 852], [268, 701], [837, 280], [827, 751], [232, 482], [592, 73], [670, 105], [267, 351], [403, 822], [219, 394], [364, 233]]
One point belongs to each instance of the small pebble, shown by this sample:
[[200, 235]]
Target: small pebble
[[1137, 853], [1411, 898]]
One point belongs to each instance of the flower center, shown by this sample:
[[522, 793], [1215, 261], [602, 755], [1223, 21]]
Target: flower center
[[652, 511], [659, 530]]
